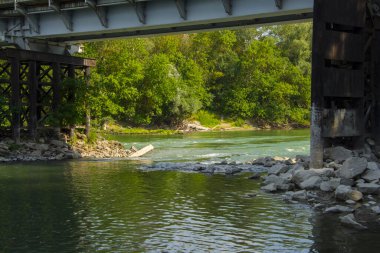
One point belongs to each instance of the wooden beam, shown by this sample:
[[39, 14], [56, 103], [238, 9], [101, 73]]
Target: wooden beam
[[15, 104], [26, 55], [181, 7], [56, 85], [316, 139], [376, 85], [71, 95], [33, 87], [87, 74]]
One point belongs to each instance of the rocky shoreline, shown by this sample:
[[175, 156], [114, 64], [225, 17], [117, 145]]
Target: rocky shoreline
[[51, 150], [348, 186]]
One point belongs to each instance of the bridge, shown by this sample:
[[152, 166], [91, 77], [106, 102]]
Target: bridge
[[345, 69]]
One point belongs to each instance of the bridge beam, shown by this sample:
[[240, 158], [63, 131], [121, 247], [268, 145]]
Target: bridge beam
[[64, 15], [32, 19], [140, 8], [181, 6], [278, 3], [99, 11], [227, 4]]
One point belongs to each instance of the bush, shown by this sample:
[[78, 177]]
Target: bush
[[206, 119]]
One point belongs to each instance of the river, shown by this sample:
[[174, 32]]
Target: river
[[113, 206]]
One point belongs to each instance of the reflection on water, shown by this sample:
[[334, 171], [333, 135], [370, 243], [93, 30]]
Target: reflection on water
[[112, 206]]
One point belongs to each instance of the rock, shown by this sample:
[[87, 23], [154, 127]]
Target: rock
[[345, 181], [359, 181], [334, 165], [299, 195], [373, 166], [371, 175], [344, 192], [285, 187], [278, 169], [353, 167], [325, 172], [339, 209], [350, 202], [376, 209], [349, 220], [369, 188], [371, 142], [58, 143], [338, 153], [302, 175], [313, 182], [232, 170], [255, 176], [269, 188], [331, 185], [42, 147], [275, 180], [262, 160]]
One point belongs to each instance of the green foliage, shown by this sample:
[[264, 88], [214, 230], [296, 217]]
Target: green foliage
[[260, 75], [206, 118]]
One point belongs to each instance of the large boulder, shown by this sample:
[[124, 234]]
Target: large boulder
[[278, 169], [269, 188], [338, 153], [345, 192], [371, 175], [330, 185], [275, 179], [302, 175], [311, 183], [369, 188], [373, 166], [352, 167]]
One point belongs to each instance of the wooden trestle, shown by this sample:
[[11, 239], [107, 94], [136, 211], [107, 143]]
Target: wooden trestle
[[31, 87], [345, 77]]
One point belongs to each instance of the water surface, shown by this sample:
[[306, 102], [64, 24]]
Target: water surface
[[113, 206]]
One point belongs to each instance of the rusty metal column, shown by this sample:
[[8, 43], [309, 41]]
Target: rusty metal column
[[15, 104], [87, 74], [33, 86], [316, 140]]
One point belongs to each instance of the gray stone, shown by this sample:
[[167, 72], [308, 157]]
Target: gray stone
[[353, 167], [331, 185], [278, 169], [350, 221], [376, 209], [346, 181], [371, 175], [269, 188], [339, 209], [273, 179], [58, 143], [359, 181], [334, 165], [313, 182], [42, 147], [371, 142], [373, 166], [369, 188], [302, 175], [338, 153], [325, 172], [350, 202], [255, 176], [299, 195], [285, 187], [344, 192]]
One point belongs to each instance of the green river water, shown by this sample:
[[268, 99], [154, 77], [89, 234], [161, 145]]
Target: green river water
[[113, 206]]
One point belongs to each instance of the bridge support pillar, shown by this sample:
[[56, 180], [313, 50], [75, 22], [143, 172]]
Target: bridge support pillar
[[31, 89], [338, 76]]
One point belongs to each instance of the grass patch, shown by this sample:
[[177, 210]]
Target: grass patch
[[206, 119]]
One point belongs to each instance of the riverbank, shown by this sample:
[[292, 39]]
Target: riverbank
[[53, 150]]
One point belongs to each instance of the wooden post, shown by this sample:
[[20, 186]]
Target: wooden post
[[87, 74], [71, 95], [376, 85], [33, 86], [15, 99], [56, 86], [316, 139]]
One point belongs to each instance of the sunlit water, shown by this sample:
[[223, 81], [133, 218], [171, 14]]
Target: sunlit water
[[113, 206]]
